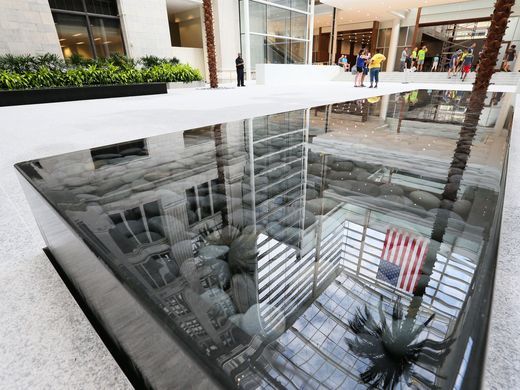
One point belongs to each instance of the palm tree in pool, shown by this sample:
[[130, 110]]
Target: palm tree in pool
[[210, 43], [392, 350]]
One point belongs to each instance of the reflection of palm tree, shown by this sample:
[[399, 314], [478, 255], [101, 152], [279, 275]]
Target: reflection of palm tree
[[392, 348], [210, 43], [497, 28]]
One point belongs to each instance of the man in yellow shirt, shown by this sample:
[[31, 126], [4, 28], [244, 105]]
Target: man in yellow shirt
[[375, 67]]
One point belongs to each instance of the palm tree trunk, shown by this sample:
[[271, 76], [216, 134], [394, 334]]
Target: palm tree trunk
[[496, 31], [210, 43]]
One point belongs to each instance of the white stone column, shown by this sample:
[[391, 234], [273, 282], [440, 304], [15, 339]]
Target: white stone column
[[311, 34], [247, 41], [392, 50]]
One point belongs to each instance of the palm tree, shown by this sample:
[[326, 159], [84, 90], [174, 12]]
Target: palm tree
[[392, 348], [210, 43], [496, 32]]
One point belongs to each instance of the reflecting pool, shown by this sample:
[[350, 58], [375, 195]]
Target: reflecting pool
[[306, 249]]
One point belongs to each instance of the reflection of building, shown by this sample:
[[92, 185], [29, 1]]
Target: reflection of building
[[311, 216]]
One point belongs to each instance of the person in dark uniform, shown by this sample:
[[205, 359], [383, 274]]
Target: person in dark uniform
[[240, 70]]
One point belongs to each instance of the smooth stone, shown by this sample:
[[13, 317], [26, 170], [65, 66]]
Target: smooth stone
[[213, 251], [155, 176], [215, 270], [244, 292], [462, 207], [253, 323], [243, 252], [340, 175], [390, 189], [365, 188], [425, 199], [136, 227], [343, 166], [311, 194], [321, 206], [132, 151]]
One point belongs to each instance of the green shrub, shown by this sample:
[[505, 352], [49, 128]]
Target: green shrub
[[28, 63], [151, 61], [25, 72]]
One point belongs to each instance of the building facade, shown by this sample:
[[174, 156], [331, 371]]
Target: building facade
[[265, 31]]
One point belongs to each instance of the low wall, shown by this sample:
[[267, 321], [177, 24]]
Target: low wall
[[295, 74], [192, 56]]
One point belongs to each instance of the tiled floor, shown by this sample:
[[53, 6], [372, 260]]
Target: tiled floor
[[46, 340]]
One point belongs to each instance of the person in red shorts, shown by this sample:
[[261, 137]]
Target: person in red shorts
[[466, 65]]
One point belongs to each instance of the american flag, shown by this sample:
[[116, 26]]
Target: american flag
[[402, 259]]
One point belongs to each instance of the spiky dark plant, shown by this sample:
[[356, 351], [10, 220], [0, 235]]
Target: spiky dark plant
[[392, 347]]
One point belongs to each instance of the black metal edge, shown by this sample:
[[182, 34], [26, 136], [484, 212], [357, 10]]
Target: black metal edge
[[65, 94], [123, 360]]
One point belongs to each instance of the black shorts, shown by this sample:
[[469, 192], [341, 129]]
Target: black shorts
[[359, 69]]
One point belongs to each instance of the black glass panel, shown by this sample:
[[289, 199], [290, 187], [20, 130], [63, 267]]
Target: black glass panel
[[103, 7], [345, 246], [68, 5]]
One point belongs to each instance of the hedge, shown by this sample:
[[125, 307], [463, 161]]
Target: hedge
[[26, 72]]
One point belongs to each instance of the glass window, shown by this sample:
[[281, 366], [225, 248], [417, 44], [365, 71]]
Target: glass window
[[276, 50], [69, 5], [298, 25], [278, 21], [300, 4], [297, 52], [107, 36], [257, 50], [73, 34], [403, 31], [285, 3], [258, 17], [103, 7]]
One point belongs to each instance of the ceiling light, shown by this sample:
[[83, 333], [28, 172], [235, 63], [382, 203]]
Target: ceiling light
[[76, 35], [80, 43], [97, 39], [62, 39]]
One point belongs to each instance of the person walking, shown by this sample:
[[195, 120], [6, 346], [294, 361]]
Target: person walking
[[360, 66], [421, 56], [375, 68], [239, 62], [510, 58], [404, 59], [435, 63]]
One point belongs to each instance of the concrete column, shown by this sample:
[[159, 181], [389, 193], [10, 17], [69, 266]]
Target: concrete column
[[145, 28], [333, 38], [392, 50], [311, 35], [27, 27], [383, 112], [247, 41]]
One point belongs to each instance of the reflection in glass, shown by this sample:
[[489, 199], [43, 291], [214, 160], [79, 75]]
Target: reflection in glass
[[289, 249], [278, 21], [73, 35], [107, 37]]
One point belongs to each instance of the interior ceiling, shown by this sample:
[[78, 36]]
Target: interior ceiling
[[176, 6], [353, 11]]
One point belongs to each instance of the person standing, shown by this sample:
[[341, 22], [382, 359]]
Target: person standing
[[360, 67], [375, 68], [453, 63], [404, 59], [435, 63], [466, 65], [510, 58], [414, 58], [421, 56], [240, 70]]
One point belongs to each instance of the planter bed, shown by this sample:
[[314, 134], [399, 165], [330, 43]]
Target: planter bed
[[64, 94]]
